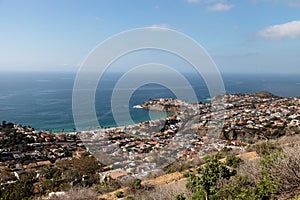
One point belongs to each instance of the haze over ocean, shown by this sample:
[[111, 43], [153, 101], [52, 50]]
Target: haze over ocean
[[44, 100]]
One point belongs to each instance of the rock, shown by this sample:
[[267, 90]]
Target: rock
[[264, 94]]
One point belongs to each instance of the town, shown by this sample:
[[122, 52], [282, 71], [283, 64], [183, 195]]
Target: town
[[194, 130], [191, 130]]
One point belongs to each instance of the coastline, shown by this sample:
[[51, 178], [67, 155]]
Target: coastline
[[189, 134], [156, 107], [48, 106], [244, 118]]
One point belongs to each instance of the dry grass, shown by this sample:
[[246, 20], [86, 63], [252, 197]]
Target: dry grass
[[77, 194], [164, 179], [149, 187], [287, 169], [283, 166], [164, 192]]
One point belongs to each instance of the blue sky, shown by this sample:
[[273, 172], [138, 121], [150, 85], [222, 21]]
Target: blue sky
[[244, 36]]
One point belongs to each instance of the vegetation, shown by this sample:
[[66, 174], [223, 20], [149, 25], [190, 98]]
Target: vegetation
[[119, 194], [232, 161], [265, 148], [274, 175], [23, 190], [137, 184], [180, 197], [176, 167], [205, 186]]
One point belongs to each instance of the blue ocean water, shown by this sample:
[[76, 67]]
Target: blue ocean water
[[44, 100]]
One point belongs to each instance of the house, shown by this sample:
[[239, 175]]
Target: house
[[153, 142], [60, 136], [80, 153], [294, 122], [117, 174], [18, 155], [238, 143], [47, 139], [278, 123]]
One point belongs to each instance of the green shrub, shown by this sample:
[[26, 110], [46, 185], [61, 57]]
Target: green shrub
[[137, 184], [266, 148], [180, 197], [119, 194], [206, 185], [129, 198], [232, 161]]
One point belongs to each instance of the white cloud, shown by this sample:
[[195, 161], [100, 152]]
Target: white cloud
[[214, 5], [220, 7], [159, 26], [291, 3], [206, 1], [287, 30]]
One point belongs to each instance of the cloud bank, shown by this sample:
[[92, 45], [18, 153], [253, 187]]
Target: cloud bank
[[214, 5], [291, 3], [280, 31], [220, 7]]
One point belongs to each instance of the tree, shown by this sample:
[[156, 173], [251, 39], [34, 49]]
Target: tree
[[205, 186], [137, 184], [263, 186], [232, 161]]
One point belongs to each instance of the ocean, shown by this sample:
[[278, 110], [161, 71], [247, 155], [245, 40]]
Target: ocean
[[43, 100]]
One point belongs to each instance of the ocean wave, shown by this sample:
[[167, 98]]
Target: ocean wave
[[137, 106], [43, 80]]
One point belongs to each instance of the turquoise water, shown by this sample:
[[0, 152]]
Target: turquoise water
[[44, 100]]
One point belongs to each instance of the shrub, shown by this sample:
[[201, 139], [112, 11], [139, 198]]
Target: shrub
[[284, 166], [119, 194], [187, 174], [176, 167], [252, 186], [180, 197], [129, 198], [232, 161], [266, 148], [171, 168], [108, 186], [206, 185], [137, 184]]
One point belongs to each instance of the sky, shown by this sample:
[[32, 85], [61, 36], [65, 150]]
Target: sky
[[241, 36]]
